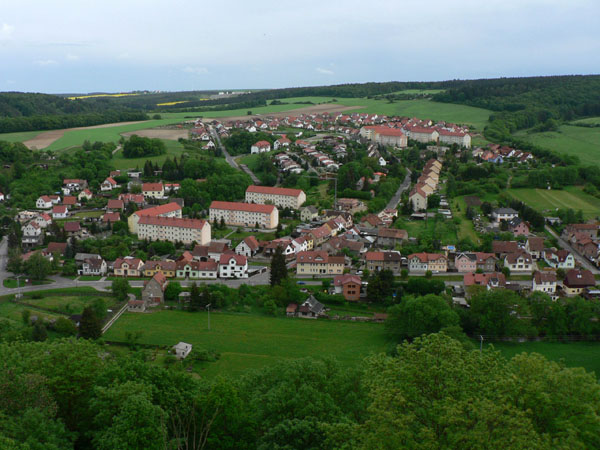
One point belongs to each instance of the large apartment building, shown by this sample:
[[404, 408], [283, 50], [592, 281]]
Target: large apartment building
[[244, 214], [319, 263], [280, 197], [174, 229], [168, 210]]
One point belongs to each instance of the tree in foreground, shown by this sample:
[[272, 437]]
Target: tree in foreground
[[435, 394], [278, 267], [90, 325]]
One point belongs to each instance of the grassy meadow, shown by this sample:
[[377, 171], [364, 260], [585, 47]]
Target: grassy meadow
[[577, 141], [250, 341], [548, 200], [174, 149], [572, 354]]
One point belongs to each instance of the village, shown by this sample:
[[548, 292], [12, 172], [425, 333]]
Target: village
[[345, 243]]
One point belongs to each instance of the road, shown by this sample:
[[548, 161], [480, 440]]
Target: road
[[582, 260], [393, 203], [232, 162]]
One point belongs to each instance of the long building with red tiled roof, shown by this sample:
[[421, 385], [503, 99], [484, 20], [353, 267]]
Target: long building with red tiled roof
[[174, 229], [319, 263], [280, 197], [167, 210], [244, 214]]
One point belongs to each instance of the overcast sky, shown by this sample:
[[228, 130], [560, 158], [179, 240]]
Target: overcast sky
[[63, 46]]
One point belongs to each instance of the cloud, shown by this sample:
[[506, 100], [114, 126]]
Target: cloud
[[6, 31], [196, 70], [71, 57], [324, 71], [46, 63]]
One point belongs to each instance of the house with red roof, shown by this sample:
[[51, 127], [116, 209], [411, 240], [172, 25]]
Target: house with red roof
[[260, 147], [280, 197], [248, 247], [423, 262], [60, 212], [109, 184], [167, 210], [153, 190], [232, 265], [348, 285], [244, 214]]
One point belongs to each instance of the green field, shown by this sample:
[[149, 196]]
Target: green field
[[573, 354], [19, 137], [249, 342], [174, 149], [466, 229], [577, 141], [421, 108], [67, 305], [12, 312], [592, 120], [544, 200]]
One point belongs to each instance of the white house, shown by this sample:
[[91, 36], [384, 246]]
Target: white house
[[44, 202], [232, 265], [545, 282], [109, 184], [520, 261], [501, 214], [60, 212], [260, 147], [182, 350], [248, 247], [559, 259]]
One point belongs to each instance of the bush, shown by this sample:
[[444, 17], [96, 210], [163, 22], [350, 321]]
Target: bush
[[65, 327]]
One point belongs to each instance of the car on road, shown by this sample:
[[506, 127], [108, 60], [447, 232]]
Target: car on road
[[301, 282]]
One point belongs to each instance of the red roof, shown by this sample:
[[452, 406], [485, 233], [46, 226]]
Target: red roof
[[262, 144], [240, 260], [59, 209], [425, 257], [172, 222], [115, 204], [318, 257], [72, 227], [158, 210], [153, 187], [274, 190], [251, 242], [69, 200], [340, 280], [111, 217], [54, 247], [248, 207], [111, 181]]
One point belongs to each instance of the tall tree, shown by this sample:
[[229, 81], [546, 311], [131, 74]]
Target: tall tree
[[90, 325], [278, 267]]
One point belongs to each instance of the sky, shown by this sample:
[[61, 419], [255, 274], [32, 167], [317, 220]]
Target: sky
[[67, 46]]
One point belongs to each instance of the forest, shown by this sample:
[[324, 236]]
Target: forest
[[76, 394]]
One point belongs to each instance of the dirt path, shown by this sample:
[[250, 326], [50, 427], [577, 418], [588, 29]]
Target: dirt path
[[46, 138]]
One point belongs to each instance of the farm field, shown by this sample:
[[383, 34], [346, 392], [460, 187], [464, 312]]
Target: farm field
[[249, 342], [421, 108], [573, 354], [544, 200], [577, 141], [19, 137]]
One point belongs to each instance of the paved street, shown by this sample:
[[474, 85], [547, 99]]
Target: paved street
[[393, 203], [564, 244]]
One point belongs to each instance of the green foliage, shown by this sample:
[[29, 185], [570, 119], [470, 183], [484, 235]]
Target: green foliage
[[278, 267], [65, 327], [120, 288], [37, 266], [415, 316], [172, 291], [136, 147], [90, 326], [241, 141]]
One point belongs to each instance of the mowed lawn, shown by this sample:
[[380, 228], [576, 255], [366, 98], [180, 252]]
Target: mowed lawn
[[573, 354], [544, 200], [250, 341], [577, 141]]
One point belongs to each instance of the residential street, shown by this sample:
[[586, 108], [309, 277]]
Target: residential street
[[564, 244], [393, 203]]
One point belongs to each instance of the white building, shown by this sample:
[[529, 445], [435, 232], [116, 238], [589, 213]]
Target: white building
[[232, 265], [182, 350], [244, 214], [280, 197], [260, 147], [174, 229]]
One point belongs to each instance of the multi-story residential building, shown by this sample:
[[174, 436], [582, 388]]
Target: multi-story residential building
[[376, 261], [520, 261], [93, 266], [545, 282], [518, 227], [174, 229], [167, 268], [418, 197], [309, 213], [576, 281], [260, 147], [424, 135], [559, 259], [60, 212], [348, 285], [422, 262], [244, 214], [128, 267], [232, 265], [455, 137], [168, 210], [280, 197], [319, 263], [153, 190]]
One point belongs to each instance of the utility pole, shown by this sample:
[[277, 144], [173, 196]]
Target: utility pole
[[18, 277], [480, 344], [208, 309]]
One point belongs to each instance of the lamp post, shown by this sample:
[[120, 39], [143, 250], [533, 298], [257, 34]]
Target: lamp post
[[208, 309], [18, 277]]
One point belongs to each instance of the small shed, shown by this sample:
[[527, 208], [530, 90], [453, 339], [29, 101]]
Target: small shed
[[182, 350]]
